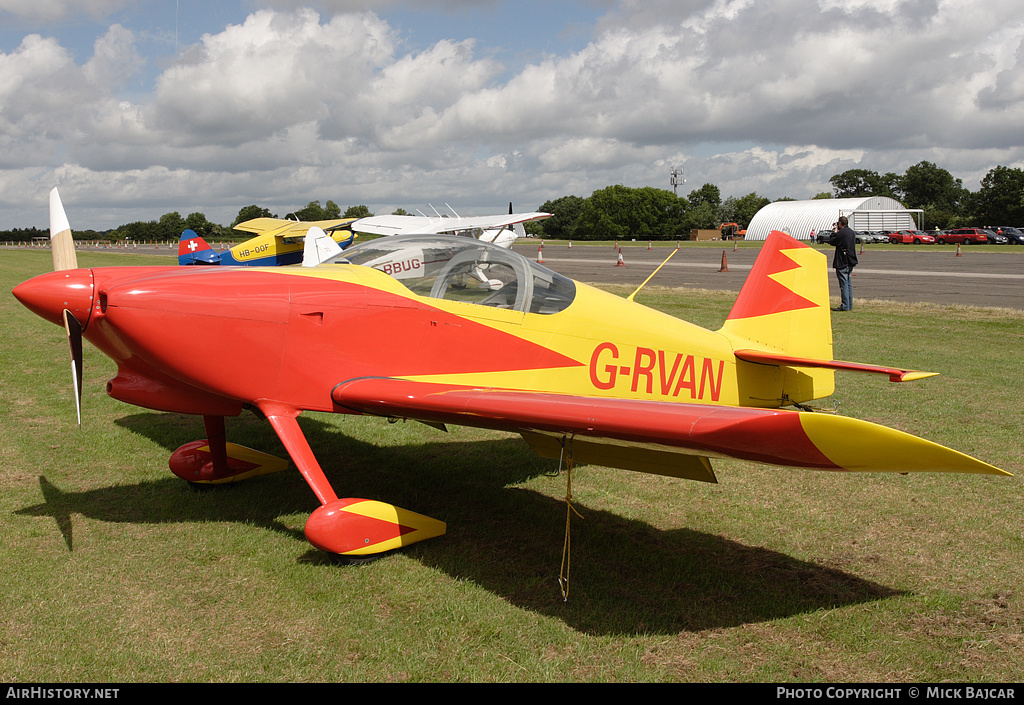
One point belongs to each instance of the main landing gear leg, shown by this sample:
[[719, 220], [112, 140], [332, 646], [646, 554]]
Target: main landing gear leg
[[352, 527]]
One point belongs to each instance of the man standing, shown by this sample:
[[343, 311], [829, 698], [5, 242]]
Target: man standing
[[844, 261]]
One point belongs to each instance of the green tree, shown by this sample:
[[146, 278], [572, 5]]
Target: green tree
[[251, 213], [198, 223], [934, 190], [708, 193], [925, 183], [702, 216], [742, 210], [314, 211], [138, 231], [620, 212], [565, 213], [1000, 201], [170, 226], [357, 212], [703, 209], [855, 183]]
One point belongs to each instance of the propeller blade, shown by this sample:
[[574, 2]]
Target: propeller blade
[[62, 243], [74, 331]]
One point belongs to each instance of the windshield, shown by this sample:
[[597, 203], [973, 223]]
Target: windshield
[[464, 269]]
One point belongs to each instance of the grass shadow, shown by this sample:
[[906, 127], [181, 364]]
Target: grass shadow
[[626, 577]]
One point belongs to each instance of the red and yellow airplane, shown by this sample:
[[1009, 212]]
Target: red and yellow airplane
[[573, 369]]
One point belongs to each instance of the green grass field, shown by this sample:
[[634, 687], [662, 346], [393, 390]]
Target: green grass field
[[114, 570]]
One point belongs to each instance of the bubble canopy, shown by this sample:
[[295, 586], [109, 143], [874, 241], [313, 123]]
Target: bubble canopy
[[464, 269]]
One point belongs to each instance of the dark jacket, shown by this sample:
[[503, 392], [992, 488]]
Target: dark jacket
[[845, 241]]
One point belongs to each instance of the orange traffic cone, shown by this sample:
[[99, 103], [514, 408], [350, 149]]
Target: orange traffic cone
[[620, 263], [570, 244], [735, 245], [958, 250], [725, 264], [648, 244], [540, 254]]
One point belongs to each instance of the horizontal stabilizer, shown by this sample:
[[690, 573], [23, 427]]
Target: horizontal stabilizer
[[770, 358]]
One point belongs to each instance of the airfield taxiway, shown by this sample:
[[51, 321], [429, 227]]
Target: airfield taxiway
[[976, 278]]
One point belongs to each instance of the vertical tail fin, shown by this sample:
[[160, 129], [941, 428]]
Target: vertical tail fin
[[783, 308], [193, 249], [318, 247]]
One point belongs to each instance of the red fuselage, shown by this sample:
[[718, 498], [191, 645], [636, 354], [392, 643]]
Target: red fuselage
[[209, 340]]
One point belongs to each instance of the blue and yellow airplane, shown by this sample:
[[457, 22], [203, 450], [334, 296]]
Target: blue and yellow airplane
[[277, 242]]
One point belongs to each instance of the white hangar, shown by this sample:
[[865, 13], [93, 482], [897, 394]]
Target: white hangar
[[800, 218]]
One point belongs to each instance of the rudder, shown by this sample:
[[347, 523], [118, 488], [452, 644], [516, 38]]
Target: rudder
[[783, 308]]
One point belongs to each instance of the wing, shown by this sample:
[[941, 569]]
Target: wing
[[660, 437], [425, 225], [289, 228]]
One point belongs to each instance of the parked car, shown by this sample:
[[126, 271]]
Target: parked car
[[823, 237], [1014, 235], [872, 236], [995, 238], [965, 236], [911, 237]]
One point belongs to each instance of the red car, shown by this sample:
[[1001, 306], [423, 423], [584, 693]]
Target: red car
[[964, 235], [911, 237]]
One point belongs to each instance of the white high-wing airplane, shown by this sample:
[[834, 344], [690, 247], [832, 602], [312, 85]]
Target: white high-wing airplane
[[500, 230]]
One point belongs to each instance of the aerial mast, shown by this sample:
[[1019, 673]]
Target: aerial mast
[[676, 179]]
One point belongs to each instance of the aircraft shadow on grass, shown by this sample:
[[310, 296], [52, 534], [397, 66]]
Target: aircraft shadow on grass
[[626, 576]]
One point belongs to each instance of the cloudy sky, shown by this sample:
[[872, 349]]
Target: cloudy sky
[[135, 108]]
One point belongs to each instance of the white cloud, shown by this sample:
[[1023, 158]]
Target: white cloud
[[296, 105], [52, 10]]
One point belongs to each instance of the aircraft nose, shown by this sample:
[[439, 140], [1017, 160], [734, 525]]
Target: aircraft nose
[[49, 294]]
